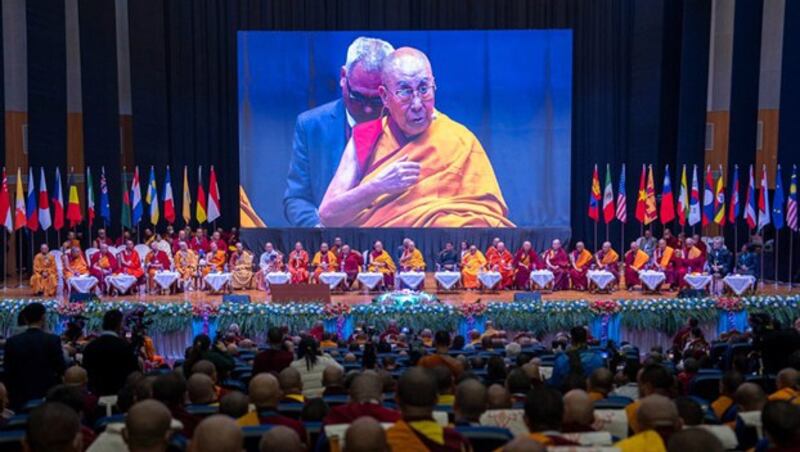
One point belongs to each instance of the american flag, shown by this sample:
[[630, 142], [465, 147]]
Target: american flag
[[622, 210], [791, 203]]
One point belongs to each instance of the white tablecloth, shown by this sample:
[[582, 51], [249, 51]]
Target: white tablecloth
[[412, 279], [542, 278], [165, 279], [83, 284], [601, 278], [697, 281], [651, 278], [279, 277], [489, 279], [332, 279], [739, 283], [370, 279], [447, 279], [121, 282], [217, 280]]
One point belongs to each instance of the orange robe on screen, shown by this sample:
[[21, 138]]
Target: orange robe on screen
[[298, 266], [457, 186], [503, 262]]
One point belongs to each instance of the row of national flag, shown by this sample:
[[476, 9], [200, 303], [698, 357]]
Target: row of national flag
[[690, 208], [34, 210]]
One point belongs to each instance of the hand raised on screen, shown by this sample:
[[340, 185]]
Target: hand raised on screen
[[398, 176]]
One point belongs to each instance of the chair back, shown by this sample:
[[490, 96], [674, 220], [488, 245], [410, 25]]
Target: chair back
[[90, 252], [613, 421], [252, 436], [142, 250], [705, 386], [486, 438]]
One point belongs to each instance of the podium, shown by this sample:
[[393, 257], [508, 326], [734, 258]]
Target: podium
[[301, 293]]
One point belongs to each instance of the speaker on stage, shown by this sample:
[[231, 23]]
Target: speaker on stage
[[76, 297], [236, 298], [528, 297]]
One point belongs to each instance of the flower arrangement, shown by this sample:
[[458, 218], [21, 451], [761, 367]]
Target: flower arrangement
[[335, 310], [205, 310], [472, 309], [730, 304], [604, 307], [405, 297]]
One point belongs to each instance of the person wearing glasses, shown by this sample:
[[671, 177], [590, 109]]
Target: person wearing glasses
[[322, 132], [414, 167]]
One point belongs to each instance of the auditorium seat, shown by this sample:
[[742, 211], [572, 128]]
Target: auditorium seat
[[252, 436], [486, 438], [102, 423], [202, 410], [705, 386]]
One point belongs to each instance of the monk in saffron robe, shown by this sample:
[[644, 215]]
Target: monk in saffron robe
[[103, 265], [130, 263], [381, 261], [75, 264], [156, 261], [694, 261], [215, 259], [350, 262], [412, 260], [324, 261], [662, 261], [44, 280], [525, 261], [473, 263], [607, 259], [635, 261], [186, 265], [502, 261], [241, 265], [492, 249], [414, 167], [557, 261], [580, 259], [298, 264]]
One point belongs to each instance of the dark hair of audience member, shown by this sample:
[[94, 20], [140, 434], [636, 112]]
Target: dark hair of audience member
[[658, 377], [53, 427], [169, 389], [518, 382], [369, 358], [275, 337], [200, 345], [112, 320], [496, 370], [314, 410], [308, 349], [523, 358], [578, 335], [694, 440], [690, 411], [781, 421], [458, 343], [70, 396], [234, 404], [34, 313], [544, 409], [417, 388]]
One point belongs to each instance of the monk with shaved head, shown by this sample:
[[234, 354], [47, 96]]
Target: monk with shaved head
[[658, 419], [578, 412], [265, 393], [147, 427], [281, 438], [365, 434], [366, 396], [217, 433], [786, 384], [415, 166]]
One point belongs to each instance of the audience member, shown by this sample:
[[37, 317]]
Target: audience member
[[311, 363], [280, 438], [234, 404], [365, 400], [600, 384], [441, 356], [217, 433], [444, 385], [653, 379], [657, 419], [781, 422], [723, 406], [53, 427], [201, 349], [365, 434], [147, 427], [750, 400], [694, 440], [109, 359], [544, 414], [471, 401], [333, 381], [201, 389], [786, 383], [265, 394], [170, 389], [275, 358], [291, 383], [572, 367], [578, 412]]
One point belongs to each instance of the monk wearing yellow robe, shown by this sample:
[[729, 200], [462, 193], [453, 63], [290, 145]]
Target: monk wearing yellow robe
[[580, 259], [607, 259], [415, 167], [381, 261], [298, 264], [492, 250], [185, 262], [241, 265], [75, 264], [635, 260], [412, 260], [324, 261], [502, 261], [215, 259], [44, 280], [662, 261], [473, 263]]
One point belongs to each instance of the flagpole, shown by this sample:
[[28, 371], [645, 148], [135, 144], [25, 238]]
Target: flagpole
[[777, 247], [791, 256], [5, 260], [32, 252], [124, 187], [19, 262]]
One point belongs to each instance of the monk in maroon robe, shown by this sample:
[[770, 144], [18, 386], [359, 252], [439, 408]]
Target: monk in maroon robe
[[694, 260], [679, 268], [635, 261], [102, 265], [580, 259], [525, 261], [199, 243], [671, 240], [557, 261], [350, 262], [663, 261], [607, 259]]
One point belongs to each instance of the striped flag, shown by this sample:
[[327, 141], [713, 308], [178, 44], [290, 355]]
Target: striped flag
[[125, 214], [763, 201], [74, 214], [683, 199], [708, 198], [44, 203], [650, 210], [734, 208], [152, 197], [105, 205], [58, 202], [213, 196], [608, 198], [186, 204], [594, 196], [694, 201], [200, 209], [641, 197], [20, 215], [136, 199], [90, 213], [791, 203], [169, 203], [750, 202], [667, 201], [719, 199], [622, 208], [777, 201], [5, 204], [32, 212]]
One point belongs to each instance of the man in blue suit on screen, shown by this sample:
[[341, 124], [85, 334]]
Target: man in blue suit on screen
[[321, 133]]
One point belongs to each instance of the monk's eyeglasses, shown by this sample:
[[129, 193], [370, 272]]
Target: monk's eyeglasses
[[406, 94], [366, 101]]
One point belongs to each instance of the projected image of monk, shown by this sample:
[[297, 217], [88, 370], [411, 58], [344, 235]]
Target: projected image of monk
[[413, 167]]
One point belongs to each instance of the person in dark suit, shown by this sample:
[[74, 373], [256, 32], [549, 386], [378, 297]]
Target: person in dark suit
[[321, 133], [34, 361], [109, 359]]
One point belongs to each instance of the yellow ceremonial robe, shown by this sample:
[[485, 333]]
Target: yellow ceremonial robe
[[385, 259], [646, 441], [640, 259], [186, 264], [329, 258], [413, 261], [45, 275], [457, 186], [611, 257], [471, 265]]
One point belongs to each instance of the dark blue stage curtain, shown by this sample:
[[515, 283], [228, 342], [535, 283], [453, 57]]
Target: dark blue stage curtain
[[101, 125]]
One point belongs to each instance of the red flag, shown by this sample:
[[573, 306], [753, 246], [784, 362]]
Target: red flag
[[214, 210], [5, 205], [641, 199], [594, 196]]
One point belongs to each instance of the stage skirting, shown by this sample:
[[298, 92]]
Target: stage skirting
[[430, 241], [644, 323]]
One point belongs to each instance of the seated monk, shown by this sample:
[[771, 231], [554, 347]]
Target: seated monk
[[324, 261], [694, 260], [416, 430], [381, 261], [130, 263], [103, 265], [503, 262], [155, 261], [199, 243], [492, 249], [412, 260], [580, 259], [662, 261], [186, 265], [525, 261], [414, 167], [635, 261], [241, 267], [447, 259], [471, 264], [350, 262], [75, 264], [72, 238], [44, 280], [271, 261], [298, 264], [608, 260], [215, 259], [557, 261]]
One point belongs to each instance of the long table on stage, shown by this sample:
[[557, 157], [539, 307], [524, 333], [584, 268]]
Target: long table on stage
[[285, 293]]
